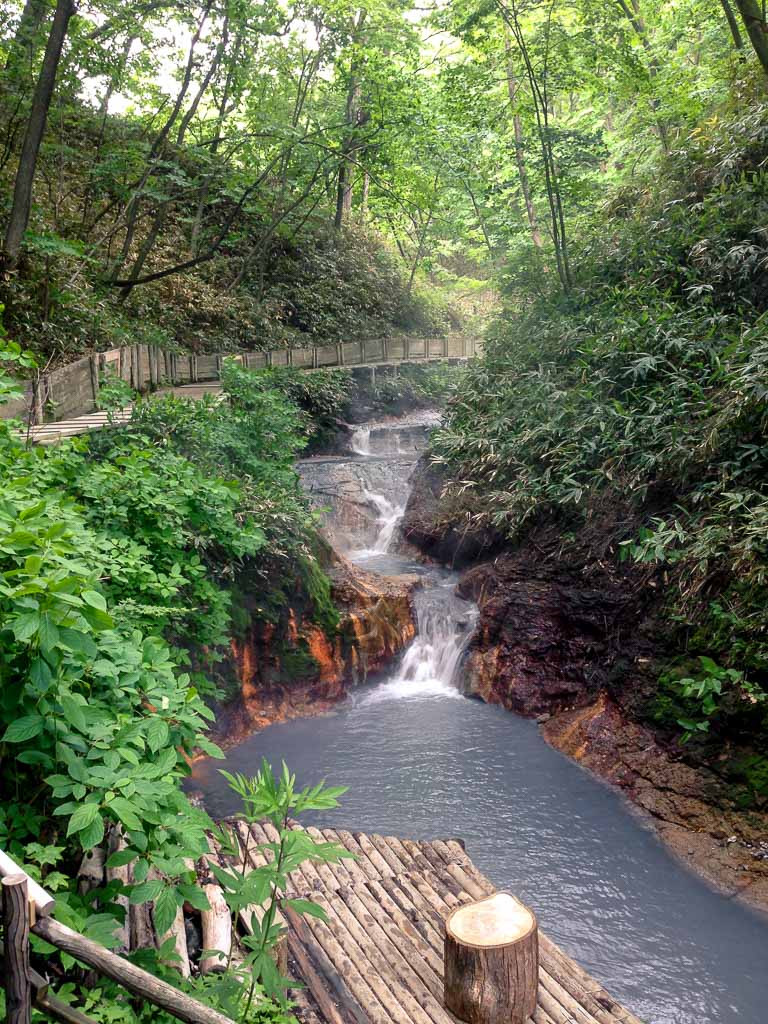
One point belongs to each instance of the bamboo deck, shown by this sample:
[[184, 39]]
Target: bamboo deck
[[379, 957]]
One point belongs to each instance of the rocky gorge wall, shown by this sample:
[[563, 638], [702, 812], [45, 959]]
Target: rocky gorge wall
[[299, 669]]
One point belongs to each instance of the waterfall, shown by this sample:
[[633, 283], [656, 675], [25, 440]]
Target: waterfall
[[360, 442], [388, 518], [428, 668]]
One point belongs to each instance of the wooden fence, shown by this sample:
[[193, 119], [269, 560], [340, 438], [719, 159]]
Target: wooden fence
[[72, 390], [28, 908]]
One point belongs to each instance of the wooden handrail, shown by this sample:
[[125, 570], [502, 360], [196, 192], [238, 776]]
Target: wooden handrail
[[133, 978], [44, 902], [47, 1003]]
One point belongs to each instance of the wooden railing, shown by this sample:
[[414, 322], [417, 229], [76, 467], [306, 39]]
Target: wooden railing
[[72, 390], [28, 908]]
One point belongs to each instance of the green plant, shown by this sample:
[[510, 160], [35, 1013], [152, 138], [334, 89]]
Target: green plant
[[275, 798], [115, 394], [11, 356]]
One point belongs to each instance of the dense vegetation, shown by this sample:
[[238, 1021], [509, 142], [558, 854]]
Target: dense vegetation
[[622, 396], [190, 184], [119, 558]]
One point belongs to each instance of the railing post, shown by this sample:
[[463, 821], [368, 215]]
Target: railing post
[[18, 987]]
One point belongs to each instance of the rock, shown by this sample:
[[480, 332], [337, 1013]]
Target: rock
[[428, 523], [306, 672]]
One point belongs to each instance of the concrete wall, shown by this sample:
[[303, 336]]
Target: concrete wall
[[71, 390]]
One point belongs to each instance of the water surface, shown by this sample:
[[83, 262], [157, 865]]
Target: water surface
[[422, 761]]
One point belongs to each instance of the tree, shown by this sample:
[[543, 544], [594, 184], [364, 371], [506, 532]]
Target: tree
[[33, 137], [753, 15]]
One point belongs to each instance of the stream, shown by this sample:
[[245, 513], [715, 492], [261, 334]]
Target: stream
[[423, 761]]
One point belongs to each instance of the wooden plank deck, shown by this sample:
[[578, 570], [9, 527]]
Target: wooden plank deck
[[379, 957]]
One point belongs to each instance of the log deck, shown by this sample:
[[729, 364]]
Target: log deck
[[379, 957]]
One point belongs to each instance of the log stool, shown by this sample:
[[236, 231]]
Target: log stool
[[492, 961]]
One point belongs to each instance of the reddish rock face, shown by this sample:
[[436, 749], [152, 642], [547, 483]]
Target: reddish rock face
[[303, 671]]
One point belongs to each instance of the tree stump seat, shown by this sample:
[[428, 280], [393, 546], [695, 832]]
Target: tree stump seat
[[492, 961]]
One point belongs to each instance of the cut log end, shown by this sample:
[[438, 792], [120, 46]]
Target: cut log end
[[497, 921], [492, 961]]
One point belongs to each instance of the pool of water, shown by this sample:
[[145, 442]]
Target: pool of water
[[423, 761]]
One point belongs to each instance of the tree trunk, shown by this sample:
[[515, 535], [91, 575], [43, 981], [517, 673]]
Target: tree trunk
[[522, 170], [346, 167], [492, 961], [733, 25], [354, 118], [757, 30], [25, 175]]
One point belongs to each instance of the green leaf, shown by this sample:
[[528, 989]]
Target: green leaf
[[145, 891], [48, 633], [157, 734], [194, 896], [73, 713], [121, 857], [126, 812], [94, 599], [26, 626], [92, 834], [306, 907], [165, 909], [24, 728], [82, 817]]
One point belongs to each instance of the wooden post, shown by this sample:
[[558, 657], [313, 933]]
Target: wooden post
[[94, 368], [43, 901], [217, 930], [492, 961], [18, 987]]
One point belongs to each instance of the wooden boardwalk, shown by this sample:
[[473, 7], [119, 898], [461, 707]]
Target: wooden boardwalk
[[51, 433], [71, 391], [379, 957]]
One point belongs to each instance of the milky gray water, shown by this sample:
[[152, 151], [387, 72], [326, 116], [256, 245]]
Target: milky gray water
[[421, 760]]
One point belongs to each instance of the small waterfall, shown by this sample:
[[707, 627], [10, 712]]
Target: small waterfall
[[389, 516], [360, 442], [445, 624]]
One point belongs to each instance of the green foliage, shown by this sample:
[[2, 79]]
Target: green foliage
[[114, 395], [12, 357], [276, 799], [644, 389], [696, 701], [415, 386]]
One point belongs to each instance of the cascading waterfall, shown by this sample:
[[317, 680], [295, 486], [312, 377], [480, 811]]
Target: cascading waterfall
[[360, 442], [428, 668], [388, 520]]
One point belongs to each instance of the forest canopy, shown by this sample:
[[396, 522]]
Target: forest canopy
[[229, 174]]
